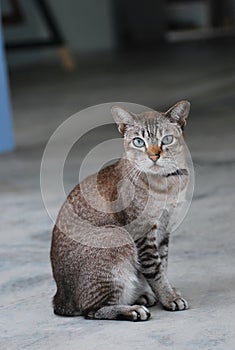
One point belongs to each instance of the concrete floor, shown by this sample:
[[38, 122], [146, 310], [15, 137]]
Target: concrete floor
[[202, 250]]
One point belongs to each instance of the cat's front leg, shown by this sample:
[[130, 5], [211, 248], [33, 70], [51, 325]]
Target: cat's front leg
[[168, 296], [153, 268], [163, 252]]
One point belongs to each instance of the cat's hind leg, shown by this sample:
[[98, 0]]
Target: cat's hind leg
[[146, 294], [110, 280], [121, 312], [115, 296], [63, 301], [98, 277]]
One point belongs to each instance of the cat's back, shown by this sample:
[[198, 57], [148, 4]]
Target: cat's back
[[91, 199], [102, 185]]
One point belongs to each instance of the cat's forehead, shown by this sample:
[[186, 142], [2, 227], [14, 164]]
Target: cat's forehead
[[152, 119], [153, 125]]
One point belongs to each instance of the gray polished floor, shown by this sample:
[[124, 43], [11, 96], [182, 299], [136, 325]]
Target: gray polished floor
[[202, 252]]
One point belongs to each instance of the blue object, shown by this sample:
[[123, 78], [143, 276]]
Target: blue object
[[6, 129]]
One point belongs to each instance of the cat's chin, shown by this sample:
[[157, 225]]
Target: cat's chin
[[155, 169]]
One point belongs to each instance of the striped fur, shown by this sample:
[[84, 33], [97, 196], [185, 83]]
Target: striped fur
[[111, 264]]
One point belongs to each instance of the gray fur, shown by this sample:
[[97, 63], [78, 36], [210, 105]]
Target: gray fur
[[110, 243]]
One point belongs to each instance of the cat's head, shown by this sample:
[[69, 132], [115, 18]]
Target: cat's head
[[154, 140]]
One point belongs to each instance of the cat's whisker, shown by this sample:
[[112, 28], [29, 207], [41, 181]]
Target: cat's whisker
[[131, 174], [137, 175]]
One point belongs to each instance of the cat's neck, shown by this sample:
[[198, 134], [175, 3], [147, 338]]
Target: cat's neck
[[153, 182]]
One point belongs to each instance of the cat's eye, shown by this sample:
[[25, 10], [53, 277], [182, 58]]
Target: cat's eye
[[138, 142], [167, 139]]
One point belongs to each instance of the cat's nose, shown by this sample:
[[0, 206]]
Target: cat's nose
[[155, 157], [153, 152]]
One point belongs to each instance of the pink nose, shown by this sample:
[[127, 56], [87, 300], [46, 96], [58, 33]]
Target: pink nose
[[154, 158], [153, 152]]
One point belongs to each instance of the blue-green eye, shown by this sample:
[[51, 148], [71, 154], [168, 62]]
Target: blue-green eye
[[138, 142], [167, 139]]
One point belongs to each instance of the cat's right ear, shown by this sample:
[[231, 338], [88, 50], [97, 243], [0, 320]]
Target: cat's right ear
[[122, 118]]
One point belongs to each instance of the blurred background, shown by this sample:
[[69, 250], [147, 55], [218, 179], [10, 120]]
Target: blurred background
[[58, 57], [63, 56]]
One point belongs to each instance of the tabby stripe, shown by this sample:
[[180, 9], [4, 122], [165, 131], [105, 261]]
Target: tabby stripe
[[164, 256], [165, 241], [150, 241], [152, 275], [150, 264], [141, 241], [104, 285], [156, 264], [100, 299], [147, 247], [95, 297], [98, 290], [148, 256]]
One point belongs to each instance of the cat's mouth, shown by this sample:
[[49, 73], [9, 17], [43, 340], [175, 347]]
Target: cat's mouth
[[156, 168]]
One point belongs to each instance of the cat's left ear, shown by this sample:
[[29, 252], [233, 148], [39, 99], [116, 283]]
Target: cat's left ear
[[179, 113], [123, 118]]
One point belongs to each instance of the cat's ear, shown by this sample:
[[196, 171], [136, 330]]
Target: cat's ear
[[122, 118], [179, 113]]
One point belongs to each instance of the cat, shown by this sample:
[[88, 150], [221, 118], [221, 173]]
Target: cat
[[109, 247]]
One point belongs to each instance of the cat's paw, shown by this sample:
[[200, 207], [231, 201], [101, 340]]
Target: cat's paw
[[176, 304], [138, 313], [147, 300]]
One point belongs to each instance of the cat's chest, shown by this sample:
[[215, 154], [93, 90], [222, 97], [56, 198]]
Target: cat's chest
[[147, 208]]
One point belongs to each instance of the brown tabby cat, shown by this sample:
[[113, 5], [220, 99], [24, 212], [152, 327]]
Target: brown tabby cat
[[110, 241]]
